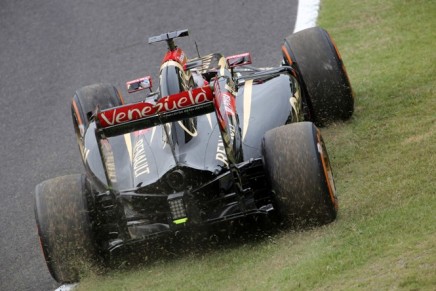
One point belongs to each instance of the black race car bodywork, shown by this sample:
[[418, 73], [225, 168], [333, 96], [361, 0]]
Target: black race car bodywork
[[208, 146]]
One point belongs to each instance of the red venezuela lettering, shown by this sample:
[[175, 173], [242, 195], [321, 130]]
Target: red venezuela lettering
[[140, 110]]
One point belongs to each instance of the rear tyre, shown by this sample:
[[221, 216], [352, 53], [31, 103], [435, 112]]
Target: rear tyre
[[86, 100], [64, 226], [322, 73], [300, 174]]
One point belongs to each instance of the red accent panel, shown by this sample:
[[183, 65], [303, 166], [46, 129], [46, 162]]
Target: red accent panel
[[177, 55], [225, 106], [140, 110]]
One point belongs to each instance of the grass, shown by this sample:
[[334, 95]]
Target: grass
[[384, 161]]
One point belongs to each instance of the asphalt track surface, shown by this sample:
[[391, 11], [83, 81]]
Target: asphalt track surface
[[49, 48]]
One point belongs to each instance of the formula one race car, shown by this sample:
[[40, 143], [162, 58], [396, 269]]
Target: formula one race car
[[218, 140]]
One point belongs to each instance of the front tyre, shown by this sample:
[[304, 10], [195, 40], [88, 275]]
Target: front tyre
[[300, 174], [64, 226], [322, 73]]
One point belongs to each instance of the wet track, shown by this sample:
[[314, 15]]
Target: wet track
[[49, 48]]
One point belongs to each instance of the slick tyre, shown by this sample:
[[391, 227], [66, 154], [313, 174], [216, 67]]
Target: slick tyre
[[64, 226], [322, 74], [86, 100], [299, 171]]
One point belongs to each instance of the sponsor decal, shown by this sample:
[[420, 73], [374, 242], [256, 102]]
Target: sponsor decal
[[229, 103], [232, 132], [182, 58], [225, 106], [221, 152], [140, 132], [177, 55], [140, 163], [140, 110]]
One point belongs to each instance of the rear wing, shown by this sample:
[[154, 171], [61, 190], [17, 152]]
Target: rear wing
[[168, 36], [217, 97], [136, 116]]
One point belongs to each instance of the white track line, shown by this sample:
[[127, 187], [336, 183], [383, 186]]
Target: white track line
[[307, 14], [67, 287]]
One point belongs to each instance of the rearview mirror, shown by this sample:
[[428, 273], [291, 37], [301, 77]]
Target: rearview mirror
[[239, 60], [139, 84]]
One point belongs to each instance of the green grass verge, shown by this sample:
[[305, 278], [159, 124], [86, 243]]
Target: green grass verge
[[384, 161]]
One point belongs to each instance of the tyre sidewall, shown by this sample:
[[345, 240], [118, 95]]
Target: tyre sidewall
[[322, 74], [297, 177], [64, 225]]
